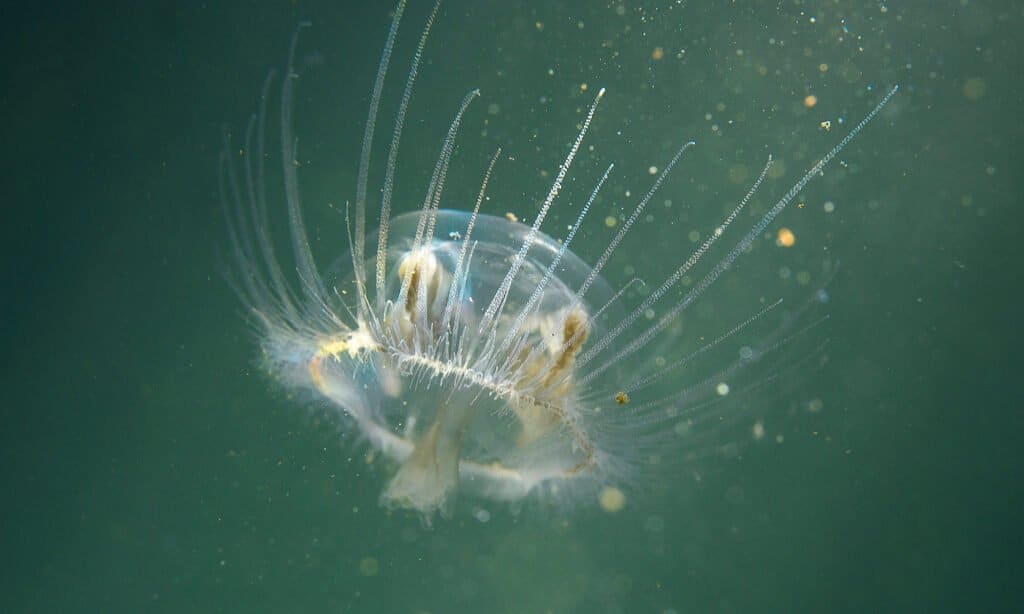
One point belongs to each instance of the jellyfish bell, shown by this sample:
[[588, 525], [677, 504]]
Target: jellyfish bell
[[478, 353]]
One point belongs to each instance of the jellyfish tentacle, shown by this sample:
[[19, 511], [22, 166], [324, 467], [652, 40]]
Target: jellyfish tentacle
[[392, 161]]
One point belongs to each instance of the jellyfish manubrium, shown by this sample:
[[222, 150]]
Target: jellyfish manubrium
[[477, 353]]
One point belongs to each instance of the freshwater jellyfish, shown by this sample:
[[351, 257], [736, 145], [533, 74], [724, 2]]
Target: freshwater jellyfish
[[480, 354]]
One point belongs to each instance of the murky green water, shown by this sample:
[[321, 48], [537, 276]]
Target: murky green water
[[150, 467]]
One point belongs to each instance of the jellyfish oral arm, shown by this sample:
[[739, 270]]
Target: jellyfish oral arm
[[428, 479]]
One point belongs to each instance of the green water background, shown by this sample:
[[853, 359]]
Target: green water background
[[148, 466]]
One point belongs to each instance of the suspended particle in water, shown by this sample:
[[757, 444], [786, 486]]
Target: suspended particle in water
[[612, 499], [785, 237]]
